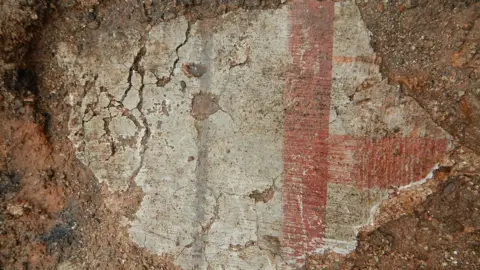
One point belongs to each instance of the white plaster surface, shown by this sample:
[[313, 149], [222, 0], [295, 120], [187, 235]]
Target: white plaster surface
[[196, 175], [207, 217]]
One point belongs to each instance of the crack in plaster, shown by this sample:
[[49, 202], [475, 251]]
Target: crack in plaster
[[136, 67], [175, 62]]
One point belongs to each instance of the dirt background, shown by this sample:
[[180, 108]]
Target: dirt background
[[55, 214]]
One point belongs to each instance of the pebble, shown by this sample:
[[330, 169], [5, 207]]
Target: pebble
[[428, 44], [167, 16], [380, 7], [411, 4], [17, 104], [193, 70]]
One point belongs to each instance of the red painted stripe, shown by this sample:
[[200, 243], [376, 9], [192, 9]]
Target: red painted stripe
[[311, 156], [396, 161], [382, 162], [307, 96]]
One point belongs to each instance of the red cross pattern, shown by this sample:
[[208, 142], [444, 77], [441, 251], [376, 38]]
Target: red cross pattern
[[313, 157]]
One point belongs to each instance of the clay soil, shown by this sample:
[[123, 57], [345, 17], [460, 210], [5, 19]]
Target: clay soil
[[55, 214]]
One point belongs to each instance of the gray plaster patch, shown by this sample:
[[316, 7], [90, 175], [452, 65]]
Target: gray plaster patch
[[195, 117], [348, 209]]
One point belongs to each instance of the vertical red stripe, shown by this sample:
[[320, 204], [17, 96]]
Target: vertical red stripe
[[307, 99]]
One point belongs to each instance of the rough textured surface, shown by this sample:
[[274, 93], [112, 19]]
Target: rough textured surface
[[213, 131], [196, 151], [439, 67], [143, 134], [434, 235], [212, 221]]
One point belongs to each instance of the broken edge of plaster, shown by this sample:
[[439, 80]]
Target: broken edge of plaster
[[421, 181], [345, 247]]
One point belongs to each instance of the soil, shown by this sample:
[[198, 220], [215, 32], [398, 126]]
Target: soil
[[432, 49], [55, 214]]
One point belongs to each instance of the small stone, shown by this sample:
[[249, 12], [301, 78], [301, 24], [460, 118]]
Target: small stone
[[467, 26], [161, 82], [448, 189], [411, 4], [380, 7], [167, 16], [93, 25], [17, 104], [458, 44], [193, 70], [15, 210], [428, 44]]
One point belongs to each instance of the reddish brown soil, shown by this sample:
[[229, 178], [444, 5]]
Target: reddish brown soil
[[53, 208], [432, 48]]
